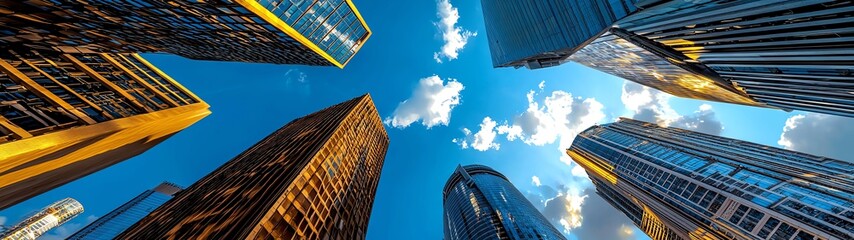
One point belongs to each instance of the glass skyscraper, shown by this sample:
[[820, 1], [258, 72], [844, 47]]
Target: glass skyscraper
[[783, 54], [543, 33], [324, 32], [42, 221], [314, 178], [480, 203], [65, 116], [679, 184], [110, 225]]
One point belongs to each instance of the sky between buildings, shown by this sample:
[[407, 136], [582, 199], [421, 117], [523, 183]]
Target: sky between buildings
[[428, 69]]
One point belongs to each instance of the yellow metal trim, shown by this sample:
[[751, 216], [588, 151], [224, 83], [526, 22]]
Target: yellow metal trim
[[38, 90], [167, 77], [606, 172], [367, 29], [139, 80], [261, 11], [18, 131], [116, 132], [106, 82]]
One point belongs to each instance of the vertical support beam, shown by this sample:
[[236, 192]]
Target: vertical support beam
[[89, 71], [19, 132], [153, 78], [40, 91], [167, 77], [136, 78]]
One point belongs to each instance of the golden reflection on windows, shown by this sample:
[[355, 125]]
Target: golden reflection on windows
[[621, 58]]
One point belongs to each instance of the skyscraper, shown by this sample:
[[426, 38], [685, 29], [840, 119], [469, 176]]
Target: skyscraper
[[110, 225], [538, 34], [784, 54], [42, 221], [679, 184], [64, 116], [481, 203], [326, 32], [314, 178]]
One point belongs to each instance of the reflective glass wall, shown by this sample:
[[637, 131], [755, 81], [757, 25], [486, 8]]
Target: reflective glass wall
[[700, 185], [480, 203]]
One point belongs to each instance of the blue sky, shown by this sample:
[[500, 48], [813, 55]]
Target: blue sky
[[523, 137]]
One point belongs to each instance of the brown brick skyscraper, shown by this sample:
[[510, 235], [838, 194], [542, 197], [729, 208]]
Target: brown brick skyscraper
[[314, 178]]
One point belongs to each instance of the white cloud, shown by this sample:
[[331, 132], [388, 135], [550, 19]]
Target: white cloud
[[557, 118], [702, 120], [536, 181], [483, 140], [455, 37], [565, 209], [819, 134], [431, 103], [650, 105]]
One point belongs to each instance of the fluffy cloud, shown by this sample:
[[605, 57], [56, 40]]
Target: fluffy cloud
[[603, 221], [819, 134], [560, 117], [431, 103], [455, 37], [483, 140], [702, 120], [563, 205], [651, 105]]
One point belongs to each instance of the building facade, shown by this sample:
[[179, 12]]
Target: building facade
[[42, 221], [325, 32], [538, 34], [315, 178], [64, 116], [679, 184], [481, 203], [783, 54], [110, 225]]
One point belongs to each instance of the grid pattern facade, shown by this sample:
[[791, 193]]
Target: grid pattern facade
[[480, 203], [784, 54], [110, 225], [315, 178], [790, 54], [324, 32], [704, 186], [48, 218], [64, 116], [537, 34]]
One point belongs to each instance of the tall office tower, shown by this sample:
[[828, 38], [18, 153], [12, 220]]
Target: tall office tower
[[481, 203], [110, 225], [679, 184], [314, 178], [42, 221], [64, 116], [325, 32], [544, 33], [784, 54]]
